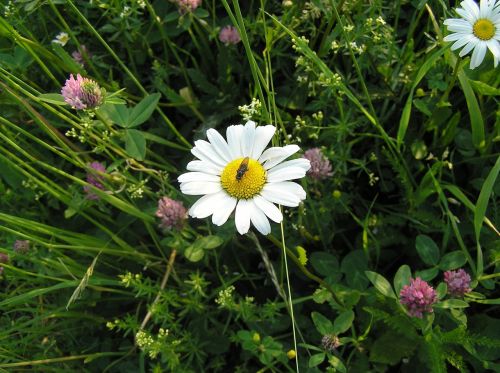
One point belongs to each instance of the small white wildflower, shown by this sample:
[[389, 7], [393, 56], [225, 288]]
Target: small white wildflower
[[62, 38]]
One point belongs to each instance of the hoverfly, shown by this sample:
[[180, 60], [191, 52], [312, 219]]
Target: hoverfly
[[242, 169]]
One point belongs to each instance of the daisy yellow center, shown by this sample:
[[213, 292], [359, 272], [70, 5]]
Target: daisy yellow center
[[484, 29], [243, 180]]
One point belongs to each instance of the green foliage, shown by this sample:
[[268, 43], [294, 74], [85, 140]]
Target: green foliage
[[408, 129]]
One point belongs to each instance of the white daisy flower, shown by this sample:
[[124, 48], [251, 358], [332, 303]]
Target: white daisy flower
[[477, 30], [239, 174]]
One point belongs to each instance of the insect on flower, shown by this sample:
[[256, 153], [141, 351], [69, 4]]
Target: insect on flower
[[240, 172]]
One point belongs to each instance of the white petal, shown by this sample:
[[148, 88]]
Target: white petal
[[196, 188], [259, 220], [273, 156], [478, 55], [494, 47], [456, 36], [295, 189], [248, 139], [459, 25], [288, 173], [205, 151], [206, 205], [460, 43], [203, 166], [263, 135], [197, 176], [471, 7], [219, 144], [284, 193], [484, 9], [225, 207], [269, 209], [242, 216], [464, 14], [234, 135], [286, 187], [470, 46], [299, 162], [281, 198]]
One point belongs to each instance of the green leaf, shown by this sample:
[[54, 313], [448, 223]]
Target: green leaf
[[119, 114], [53, 98], [402, 278], [353, 266], [391, 347], [452, 260], [143, 110], [316, 359], [343, 322], [135, 144], [452, 303], [324, 263], [337, 364], [487, 301], [441, 290], [194, 253], [405, 117], [427, 250], [114, 101], [323, 325], [381, 284], [209, 242], [427, 274], [201, 81], [484, 196], [68, 60], [484, 89], [476, 118]]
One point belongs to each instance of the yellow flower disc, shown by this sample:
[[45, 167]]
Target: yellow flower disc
[[246, 183], [484, 29]]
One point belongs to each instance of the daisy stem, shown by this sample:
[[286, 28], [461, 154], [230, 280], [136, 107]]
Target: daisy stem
[[304, 270], [290, 297]]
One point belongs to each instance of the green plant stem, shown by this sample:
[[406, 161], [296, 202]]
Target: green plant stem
[[290, 301], [305, 271], [170, 266]]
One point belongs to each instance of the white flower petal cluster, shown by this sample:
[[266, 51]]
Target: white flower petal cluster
[[268, 174], [478, 30]]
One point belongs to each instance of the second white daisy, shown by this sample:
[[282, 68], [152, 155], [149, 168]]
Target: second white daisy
[[477, 30], [239, 175]]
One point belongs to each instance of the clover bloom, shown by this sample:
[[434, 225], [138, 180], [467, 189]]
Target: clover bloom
[[477, 30], [229, 35], [188, 5], [330, 342], [78, 55], [172, 213], [21, 246], [94, 178], [4, 258], [418, 297], [320, 165], [239, 175], [81, 93], [458, 282]]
